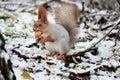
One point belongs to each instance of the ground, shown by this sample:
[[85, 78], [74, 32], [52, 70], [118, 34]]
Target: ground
[[101, 63]]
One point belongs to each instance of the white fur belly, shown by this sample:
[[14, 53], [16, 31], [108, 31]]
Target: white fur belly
[[61, 46], [52, 46]]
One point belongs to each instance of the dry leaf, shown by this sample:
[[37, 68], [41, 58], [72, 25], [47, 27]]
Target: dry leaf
[[52, 66], [76, 68], [75, 61], [26, 75]]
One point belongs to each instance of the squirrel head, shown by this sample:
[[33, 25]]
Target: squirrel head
[[42, 23]]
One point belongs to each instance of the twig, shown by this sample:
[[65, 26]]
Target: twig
[[46, 3], [24, 56], [118, 2], [16, 34], [117, 36], [33, 44], [86, 71], [15, 3], [25, 5], [2, 43], [89, 49], [83, 6], [107, 27]]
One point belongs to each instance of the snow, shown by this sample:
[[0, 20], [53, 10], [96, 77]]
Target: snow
[[4, 54], [114, 63], [93, 58], [23, 35], [104, 49]]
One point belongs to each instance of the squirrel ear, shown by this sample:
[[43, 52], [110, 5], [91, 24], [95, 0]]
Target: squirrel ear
[[44, 20], [42, 12]]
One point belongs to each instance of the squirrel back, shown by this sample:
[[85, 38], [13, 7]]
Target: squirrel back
[[67, 15]]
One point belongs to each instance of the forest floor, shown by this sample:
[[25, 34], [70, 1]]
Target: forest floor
[[30, 61]]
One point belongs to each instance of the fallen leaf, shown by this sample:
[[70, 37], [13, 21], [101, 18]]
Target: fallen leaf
[[76, 68], [52, 66], [26, 75], [49, 78], [74, 59]]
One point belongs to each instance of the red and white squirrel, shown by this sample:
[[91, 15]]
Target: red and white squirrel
[[57, 37]]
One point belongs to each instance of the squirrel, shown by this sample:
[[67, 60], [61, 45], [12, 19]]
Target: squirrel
[[59, 37]]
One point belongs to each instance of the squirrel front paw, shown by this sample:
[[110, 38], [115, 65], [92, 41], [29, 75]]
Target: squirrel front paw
[[51, 54], [38, 35], [47, 38], [42, 39]]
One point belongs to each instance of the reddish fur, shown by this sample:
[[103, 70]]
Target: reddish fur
[[37, 35], [46, 39], [42, 19], [61, 56], [66, 15], [51, 54], [42, 14]]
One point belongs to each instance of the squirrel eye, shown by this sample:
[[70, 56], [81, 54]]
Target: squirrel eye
[[40, 25]]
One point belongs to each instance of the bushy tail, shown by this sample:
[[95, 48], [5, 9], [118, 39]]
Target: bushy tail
[[67, 15]]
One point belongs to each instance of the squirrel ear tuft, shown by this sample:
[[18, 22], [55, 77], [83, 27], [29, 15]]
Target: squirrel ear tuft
[[45, 19], [42, 12]]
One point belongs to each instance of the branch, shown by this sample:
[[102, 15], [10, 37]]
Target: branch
[[15, 3], [46, 3], [87, 70], [24, 56], [2, 43], [118, 2], [17, 34], [33, 44], [89, 49], [107, 27], [25, 6]]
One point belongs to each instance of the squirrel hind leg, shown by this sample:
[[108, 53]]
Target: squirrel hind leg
[[51, 54], [61, 56]]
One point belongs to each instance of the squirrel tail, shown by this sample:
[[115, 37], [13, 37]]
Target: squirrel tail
[[67, 15]]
